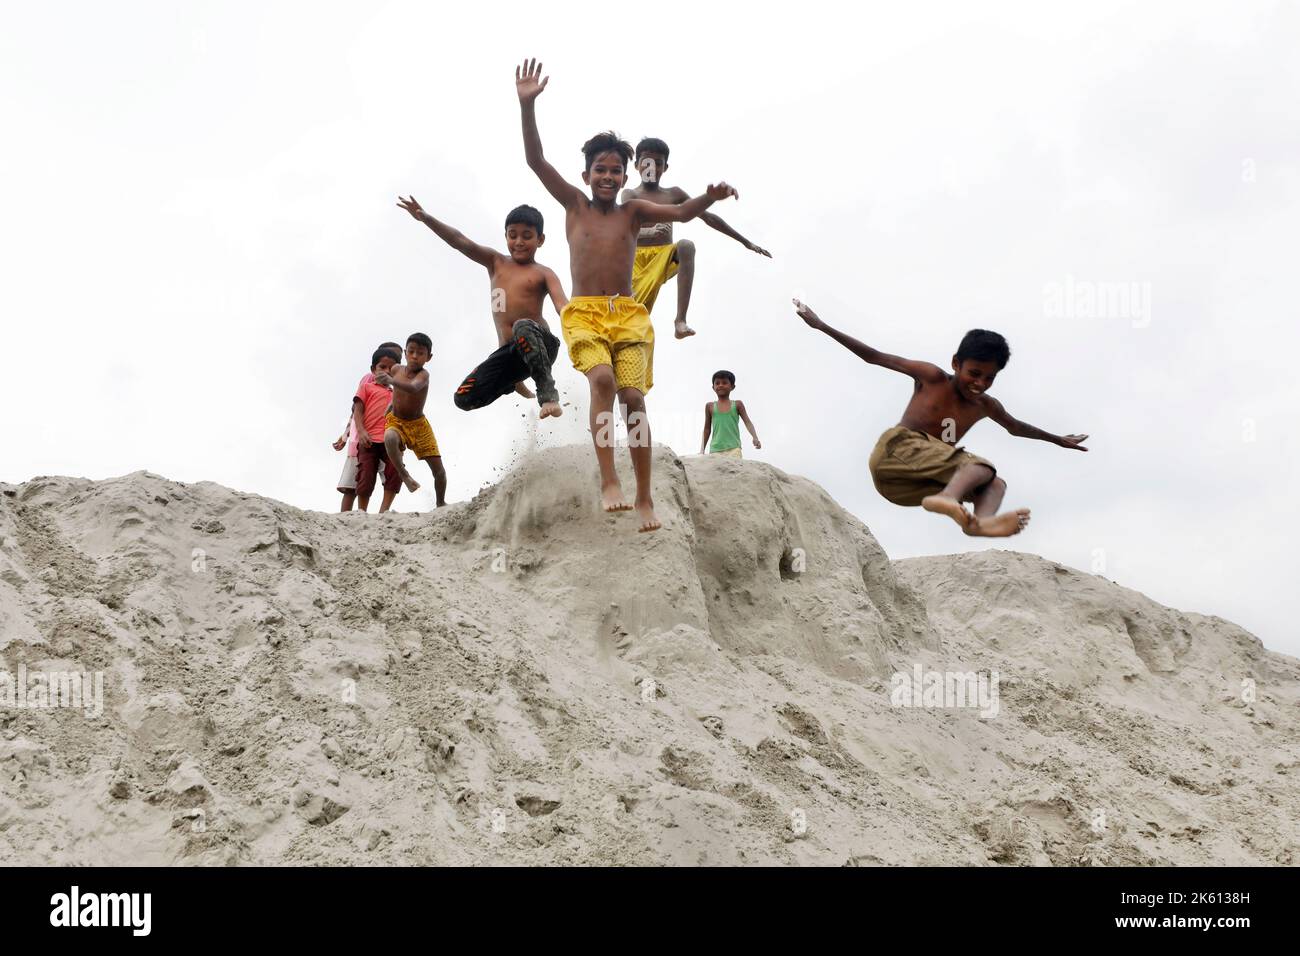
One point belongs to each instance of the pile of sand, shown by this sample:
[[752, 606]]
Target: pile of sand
[[524, 679]]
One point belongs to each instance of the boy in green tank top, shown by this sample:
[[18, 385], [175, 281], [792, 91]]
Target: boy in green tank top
[[723, 419]]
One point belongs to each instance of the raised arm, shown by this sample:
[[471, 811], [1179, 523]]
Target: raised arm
[[708, 426], [920, 371], [744, 417], [1024, 430], [717, 222], [646, 211], [452, 237], [529, 84]]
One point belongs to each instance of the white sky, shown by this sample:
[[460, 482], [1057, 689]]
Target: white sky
[[200, 245]]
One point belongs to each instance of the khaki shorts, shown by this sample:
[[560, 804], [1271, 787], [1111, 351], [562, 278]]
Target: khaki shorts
[[908, 465], [728, 453], [416, 434]]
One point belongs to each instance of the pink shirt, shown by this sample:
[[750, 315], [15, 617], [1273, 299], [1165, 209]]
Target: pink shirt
[[375, 400]]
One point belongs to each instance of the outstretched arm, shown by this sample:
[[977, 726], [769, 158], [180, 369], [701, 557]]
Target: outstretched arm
[[646, 211], [452, 237], [744, 417], [717, 222], [708, 426], [1024, 430], [420, 384], [920, 371], [529, 84]]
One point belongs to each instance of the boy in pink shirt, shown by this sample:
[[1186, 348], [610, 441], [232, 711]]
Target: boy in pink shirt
[[347, 485], [369, 421]]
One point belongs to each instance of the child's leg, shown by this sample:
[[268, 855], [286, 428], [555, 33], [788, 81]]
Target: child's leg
[[389, 495], [393, 446], [601, 420], [638, 440], [530, 347], [439, 479], [349, 498], [970, 481], [685, 257], [989, 498]]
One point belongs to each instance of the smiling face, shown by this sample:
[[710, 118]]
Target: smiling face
[[651, 166], [606, 176], [722, 387], [522, 241], [974, 377]]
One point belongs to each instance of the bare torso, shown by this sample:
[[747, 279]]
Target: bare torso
[[937, 409], [602, 245], [517, 293], [409, 404], [657, 233]]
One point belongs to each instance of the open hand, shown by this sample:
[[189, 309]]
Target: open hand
[[807, 314], [411, 206], [759, 249], [721, 191], [529, 81], [1074, 441]]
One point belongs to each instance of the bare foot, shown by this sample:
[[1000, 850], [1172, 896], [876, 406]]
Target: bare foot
[[550, 410], [1002, 526], [646, 512], [611, 498], [681, 329], [942, 505]]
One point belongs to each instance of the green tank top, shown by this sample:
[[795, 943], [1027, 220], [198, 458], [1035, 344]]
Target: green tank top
[[726, 428]]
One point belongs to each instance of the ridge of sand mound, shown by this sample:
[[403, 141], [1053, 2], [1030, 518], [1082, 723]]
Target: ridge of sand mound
[[521, 678]]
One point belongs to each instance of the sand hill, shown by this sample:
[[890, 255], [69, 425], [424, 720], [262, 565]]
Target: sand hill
[[522, 679]]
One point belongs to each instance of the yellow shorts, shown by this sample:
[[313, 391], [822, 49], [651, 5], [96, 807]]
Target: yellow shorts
[[728, 453], [653, 266], [416, 434], [908, 465], [613, 331]]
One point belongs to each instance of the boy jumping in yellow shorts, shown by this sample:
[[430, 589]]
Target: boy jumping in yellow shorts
[[916, 462], [607, 331], [406, 426], [658, 258]]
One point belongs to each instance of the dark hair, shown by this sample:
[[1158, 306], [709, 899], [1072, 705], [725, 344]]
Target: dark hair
[[381, 352], [419, 338], [525, 216], [652, 145], [984, 346], [392, 345], [723, 373], [606, 142]]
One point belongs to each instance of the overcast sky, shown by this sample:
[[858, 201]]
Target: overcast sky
[[200, 245]]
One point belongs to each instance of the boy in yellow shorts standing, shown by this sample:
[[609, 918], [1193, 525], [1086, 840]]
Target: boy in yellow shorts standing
[[658, 258], [607, 331], [406, 426]]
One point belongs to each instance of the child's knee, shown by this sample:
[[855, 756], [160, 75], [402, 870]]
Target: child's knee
[[633, 398], [522, 326], [685, 251], [462, 400], [998, 484], [602, 382]]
